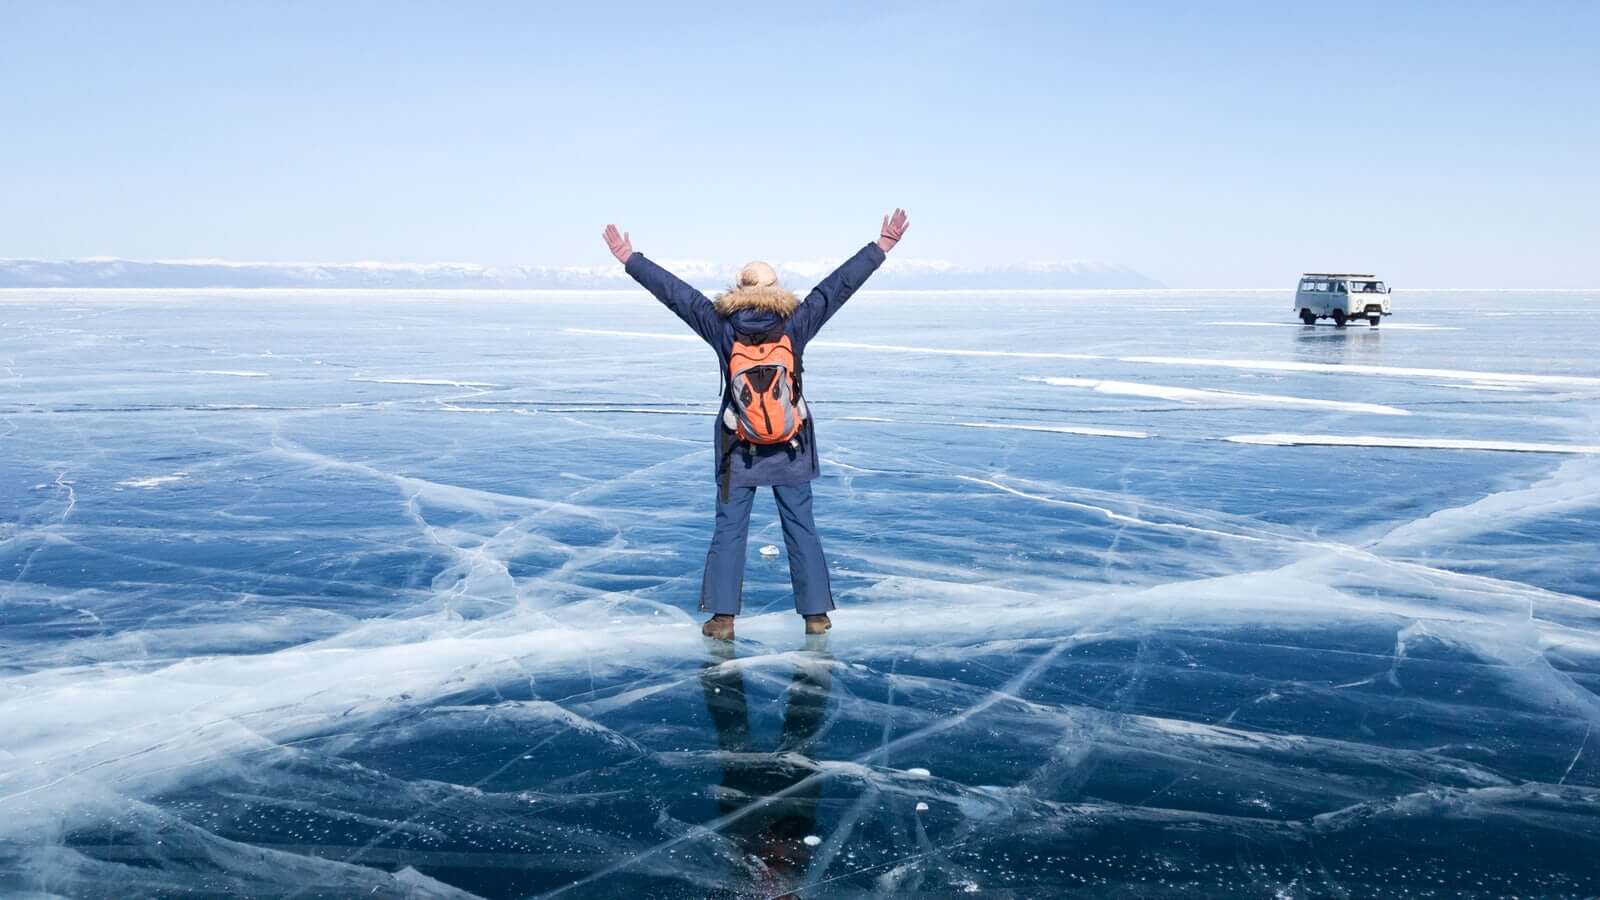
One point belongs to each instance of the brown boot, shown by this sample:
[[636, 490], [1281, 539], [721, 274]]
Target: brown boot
[[818, 624], [719, 626]]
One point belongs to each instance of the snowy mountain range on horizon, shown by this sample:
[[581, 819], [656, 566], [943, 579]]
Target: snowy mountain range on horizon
[[922, 274]]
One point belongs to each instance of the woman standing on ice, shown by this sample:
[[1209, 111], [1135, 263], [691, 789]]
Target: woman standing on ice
[[764, 436]]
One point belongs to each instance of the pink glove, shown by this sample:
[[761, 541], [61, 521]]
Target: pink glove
[[894, 228], [621, 247]]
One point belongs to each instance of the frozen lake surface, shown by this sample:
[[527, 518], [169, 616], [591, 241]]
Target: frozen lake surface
[[1141, 594]]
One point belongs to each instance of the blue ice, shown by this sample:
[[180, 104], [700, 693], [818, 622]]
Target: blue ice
[[1143, 593]]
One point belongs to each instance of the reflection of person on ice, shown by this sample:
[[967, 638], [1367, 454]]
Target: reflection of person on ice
[[768, 801], [764, 436]]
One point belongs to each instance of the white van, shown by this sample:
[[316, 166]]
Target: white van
[[1341, 296]]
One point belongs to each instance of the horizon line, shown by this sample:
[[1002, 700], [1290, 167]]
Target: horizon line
[[633, 289], [374, 263]]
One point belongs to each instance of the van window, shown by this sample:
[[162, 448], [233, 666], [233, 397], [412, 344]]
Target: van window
[[1308, 285]]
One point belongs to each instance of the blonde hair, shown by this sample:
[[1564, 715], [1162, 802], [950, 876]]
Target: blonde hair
[[756, 274]]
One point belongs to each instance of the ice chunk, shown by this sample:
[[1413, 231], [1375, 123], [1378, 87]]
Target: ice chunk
[[811, 840], [770, 550]]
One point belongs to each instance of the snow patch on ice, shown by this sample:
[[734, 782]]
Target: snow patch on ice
[[1200, 395], [153, 481]]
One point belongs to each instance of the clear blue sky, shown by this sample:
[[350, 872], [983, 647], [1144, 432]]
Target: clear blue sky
[[1205, 144]]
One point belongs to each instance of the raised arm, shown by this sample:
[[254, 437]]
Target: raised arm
[[827, 297], [685, 302]]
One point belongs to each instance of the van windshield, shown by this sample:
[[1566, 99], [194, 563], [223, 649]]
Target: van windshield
[[1368, 287]]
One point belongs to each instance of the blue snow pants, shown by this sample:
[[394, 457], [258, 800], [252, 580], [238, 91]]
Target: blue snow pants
[[808, 570]]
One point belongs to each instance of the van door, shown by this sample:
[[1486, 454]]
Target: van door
[[1321, 297]]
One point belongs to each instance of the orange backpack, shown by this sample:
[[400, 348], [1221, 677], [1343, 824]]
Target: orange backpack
[[764, 404]]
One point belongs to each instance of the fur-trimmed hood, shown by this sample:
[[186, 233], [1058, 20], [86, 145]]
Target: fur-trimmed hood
[[772, 299]]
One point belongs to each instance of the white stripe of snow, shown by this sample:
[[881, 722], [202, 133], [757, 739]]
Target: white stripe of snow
[[235, 374], [627, 409], [1270, 365], [1367, 440], [428, 382], [1483, 387], [1058, 429], [1007, 426], [1198, 395], [151, 481], [1574, 486]]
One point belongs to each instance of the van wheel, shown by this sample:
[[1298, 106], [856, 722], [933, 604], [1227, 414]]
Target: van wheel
[[1374, 320], [1338, 317], [1308, 317]]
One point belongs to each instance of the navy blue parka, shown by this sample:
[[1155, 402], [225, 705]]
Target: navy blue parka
[[754, 465]]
